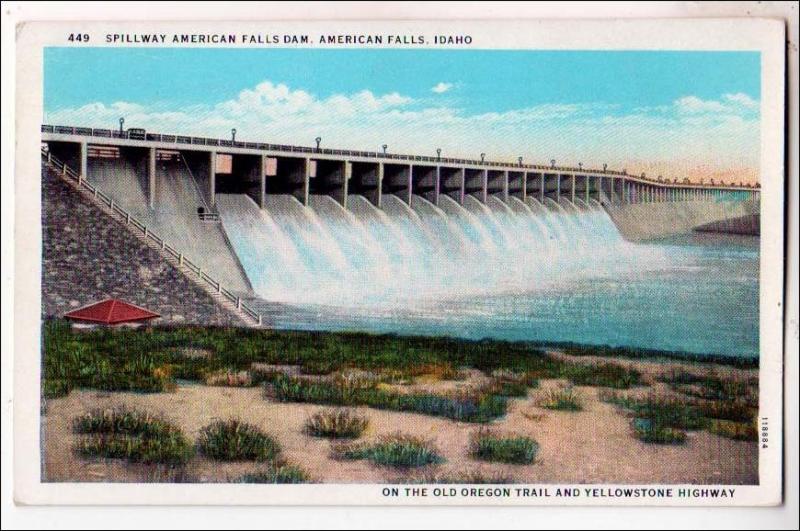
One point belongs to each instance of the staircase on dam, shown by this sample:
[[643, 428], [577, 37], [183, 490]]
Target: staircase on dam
[[225, 296]]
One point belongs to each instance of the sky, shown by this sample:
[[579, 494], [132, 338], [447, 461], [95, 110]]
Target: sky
[[677, 114]]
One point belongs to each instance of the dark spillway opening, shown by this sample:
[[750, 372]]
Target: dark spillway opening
[[516, 184], [67, 152], [329, 179], [239, 174], [396, 181], [288, 177], [365, 181], [551, 185], [451, 183], [475, 183], [496, 183], [425, 182], [533, 185]]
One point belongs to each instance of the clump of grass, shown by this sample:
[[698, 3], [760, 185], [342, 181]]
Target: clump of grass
[[668, 412], [234, 440], [136, 436], [466, 478], [337, 424], [707, 386], [229, 378], [55, 387], [562, 399], [398, 450], [735, 411], [652, 431], [516, 449], [276, 474], [740, 431], [475, 407], [602, 375]]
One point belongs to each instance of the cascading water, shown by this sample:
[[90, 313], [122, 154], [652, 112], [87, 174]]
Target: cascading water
[[512, 270]]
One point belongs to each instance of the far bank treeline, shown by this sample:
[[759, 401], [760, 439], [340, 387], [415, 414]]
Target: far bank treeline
[[153, 358]]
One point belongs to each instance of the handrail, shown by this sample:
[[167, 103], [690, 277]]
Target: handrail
[[178, 139], [149, 234]]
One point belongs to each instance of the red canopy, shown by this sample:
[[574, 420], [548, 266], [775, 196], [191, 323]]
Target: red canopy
[[110, 311]]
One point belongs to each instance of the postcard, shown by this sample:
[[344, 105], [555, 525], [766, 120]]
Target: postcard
[[528, 262]]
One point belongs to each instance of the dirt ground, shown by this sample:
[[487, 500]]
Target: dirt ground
[[591, 446]]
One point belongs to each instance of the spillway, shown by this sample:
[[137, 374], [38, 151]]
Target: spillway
[[324, 254]]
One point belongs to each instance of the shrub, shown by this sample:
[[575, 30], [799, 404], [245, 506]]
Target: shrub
[[562, 399], [735, 411], [229, 378], [742, 431], [55, 387], [275, 474], [668, 412], [650, 431], [602, 375], [349, 392], [337, 424], [467, 478], [398, 450], [133, 435], [234, 440], [515, 449]]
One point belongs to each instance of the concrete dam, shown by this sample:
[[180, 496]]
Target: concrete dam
[[318, 226]]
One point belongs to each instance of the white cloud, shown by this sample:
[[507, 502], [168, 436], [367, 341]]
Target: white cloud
[[713, 131], [729, 104], [441, 87]]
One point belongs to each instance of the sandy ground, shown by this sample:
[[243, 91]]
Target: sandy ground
[[591, 446]]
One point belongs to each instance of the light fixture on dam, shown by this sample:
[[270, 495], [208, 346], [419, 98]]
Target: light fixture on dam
[[233, 135], [580, 166], [520, 161], [438, 153], [318, 140], [121, 125], [605, 167], [552, 163], [384, 148], [483, 157]]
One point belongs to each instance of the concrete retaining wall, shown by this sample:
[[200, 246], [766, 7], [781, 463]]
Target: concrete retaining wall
[[88, 256], [644, 221]]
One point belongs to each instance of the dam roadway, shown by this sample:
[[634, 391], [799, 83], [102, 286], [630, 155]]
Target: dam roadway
[[260, 169]]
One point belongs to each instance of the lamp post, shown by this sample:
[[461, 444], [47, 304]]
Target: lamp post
[[384, 148], [318, 140], [552, 163], [438, 153], [520, 161], [121, 125], [483, 157], [233, 135], [605, 167], [580, 166]]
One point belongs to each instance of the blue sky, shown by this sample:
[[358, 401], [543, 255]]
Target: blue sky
[[651, 109]]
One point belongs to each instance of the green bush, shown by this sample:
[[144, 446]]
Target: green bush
[[650, 431], [136, 436], [516, 449], [735, 411], [562, 399], [275, 474], [234, 440], [398, 450], [668, 412], [741, 431], [478, 408], [602, 375], [55, 387], [337, 424]]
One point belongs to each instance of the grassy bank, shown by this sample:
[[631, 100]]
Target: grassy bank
[[152, 359]]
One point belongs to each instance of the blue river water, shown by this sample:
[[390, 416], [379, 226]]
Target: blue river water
[[574, 279]]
